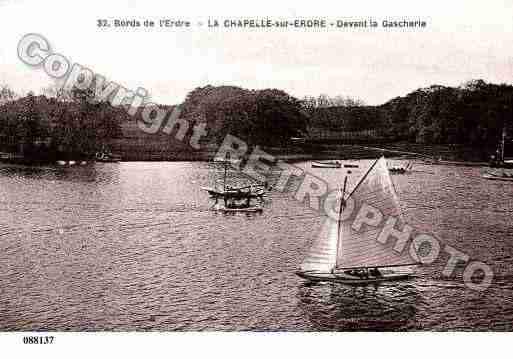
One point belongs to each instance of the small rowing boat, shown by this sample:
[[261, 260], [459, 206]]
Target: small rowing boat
[[326, 164], [496, 177]]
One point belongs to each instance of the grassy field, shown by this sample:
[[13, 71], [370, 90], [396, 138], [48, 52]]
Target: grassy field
[[136, 145]]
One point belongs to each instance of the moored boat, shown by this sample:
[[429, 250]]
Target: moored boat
[[498, 177], [236, 199], [107, 157], [499, 159], [248, 209], [236, 192], [400, 169], [326, 164]]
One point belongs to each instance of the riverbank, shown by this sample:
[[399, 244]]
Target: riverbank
[[163, 150]]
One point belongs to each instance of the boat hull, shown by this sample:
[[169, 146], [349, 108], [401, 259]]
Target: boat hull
[[235, 210], [245, 193], [109, 160], [505, 164], [397, 170], [497, 178], [326, 165], [315, 276]]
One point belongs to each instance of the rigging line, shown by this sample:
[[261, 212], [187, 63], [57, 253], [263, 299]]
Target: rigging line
[[363, 178], [249, 177], [395, 151], [377, 202], [396, 198], [342, 207]]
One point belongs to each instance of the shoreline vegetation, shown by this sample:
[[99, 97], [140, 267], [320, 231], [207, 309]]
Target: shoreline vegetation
[[453, 123]]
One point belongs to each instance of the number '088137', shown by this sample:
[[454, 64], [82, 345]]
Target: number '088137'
[[38, 339]]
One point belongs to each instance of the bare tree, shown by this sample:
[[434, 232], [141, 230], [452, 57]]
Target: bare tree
[[323, 100], [7, 94], [58, 92], [346, 101]]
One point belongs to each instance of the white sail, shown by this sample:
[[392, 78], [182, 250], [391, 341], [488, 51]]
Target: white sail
[[323, 253], [357, 249]]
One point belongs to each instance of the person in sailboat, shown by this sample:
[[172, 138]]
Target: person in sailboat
[[375, 272], [363, 273]]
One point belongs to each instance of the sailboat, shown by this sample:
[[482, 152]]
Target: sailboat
[[236, 199], [499, 159], [343, 255]]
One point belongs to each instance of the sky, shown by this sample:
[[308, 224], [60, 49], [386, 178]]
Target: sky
[[462, 41]]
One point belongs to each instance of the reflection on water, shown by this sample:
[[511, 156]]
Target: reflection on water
[[376, 307], [136, 246]]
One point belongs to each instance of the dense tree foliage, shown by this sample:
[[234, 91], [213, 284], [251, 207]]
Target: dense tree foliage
[[49, 126], [472, 114], [268, 116]]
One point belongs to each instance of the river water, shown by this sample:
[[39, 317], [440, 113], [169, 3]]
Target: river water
[[135, 246]]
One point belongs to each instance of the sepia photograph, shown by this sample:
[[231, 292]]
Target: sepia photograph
[[287, 168]]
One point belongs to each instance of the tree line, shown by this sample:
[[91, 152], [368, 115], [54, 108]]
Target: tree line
[[474, 113], [76, 122]]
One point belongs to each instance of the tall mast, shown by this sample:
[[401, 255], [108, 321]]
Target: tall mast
[[224, 180], [342, 206], [503, 142]]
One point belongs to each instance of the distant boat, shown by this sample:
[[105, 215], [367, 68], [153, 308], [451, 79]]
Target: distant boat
[[346, 256], [499, 159], [70, 163], [236, 199], [107, 157], [228, 209], [226, 161], [508, 177], [400, 169], [397, 170], [236, 192], [326, 164], [66, 163]]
